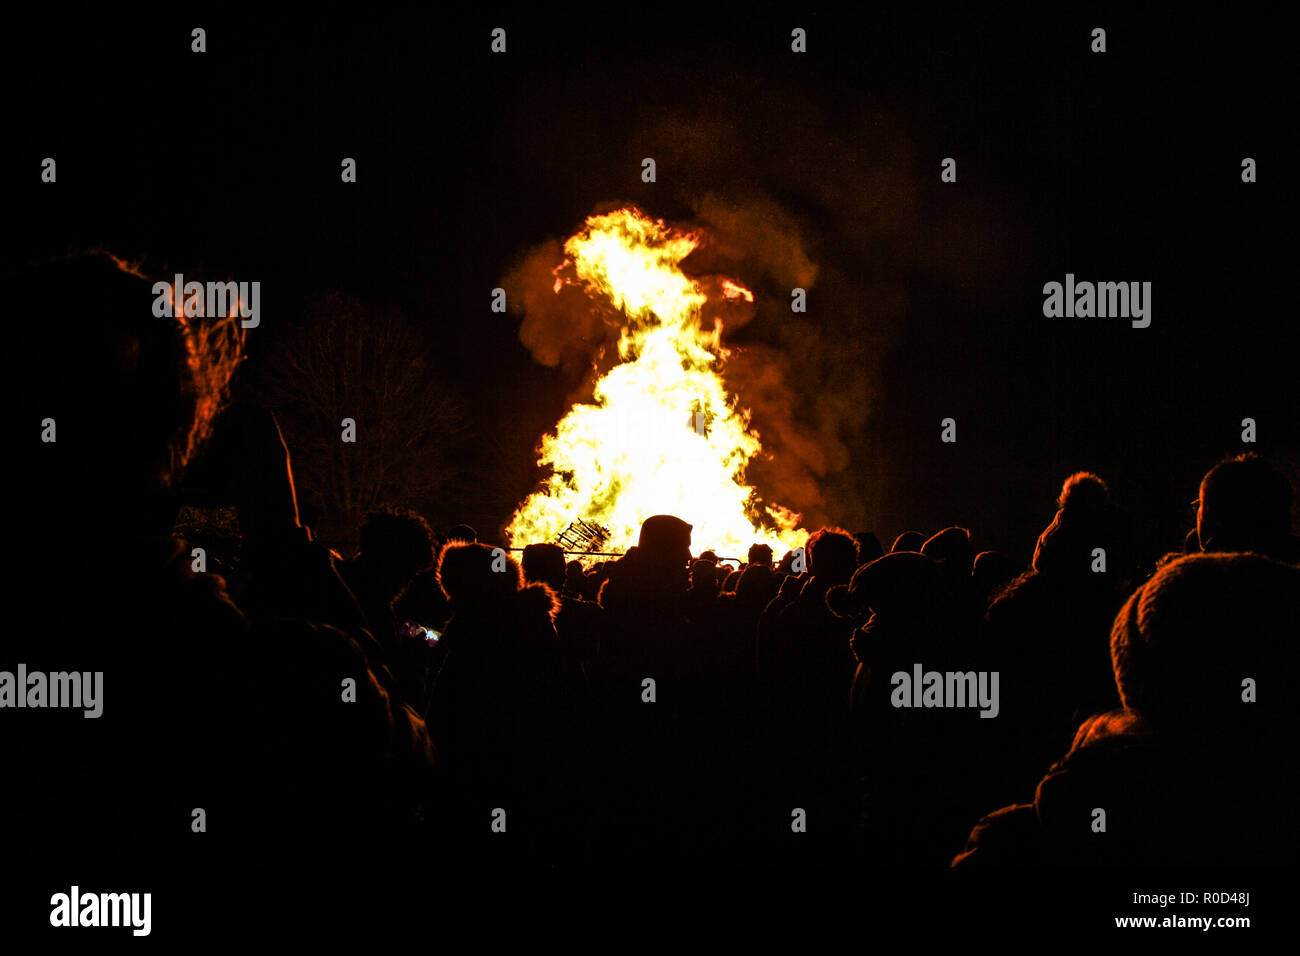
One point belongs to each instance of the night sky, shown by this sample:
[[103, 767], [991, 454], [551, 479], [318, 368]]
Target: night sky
[[927, 296]]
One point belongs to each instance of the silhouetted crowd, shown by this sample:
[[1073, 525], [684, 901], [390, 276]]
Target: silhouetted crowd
[[435, 698]]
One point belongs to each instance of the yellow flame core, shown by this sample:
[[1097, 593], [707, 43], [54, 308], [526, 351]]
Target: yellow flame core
[[661, 435]]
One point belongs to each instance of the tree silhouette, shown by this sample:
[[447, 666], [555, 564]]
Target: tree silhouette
[[376, 367]]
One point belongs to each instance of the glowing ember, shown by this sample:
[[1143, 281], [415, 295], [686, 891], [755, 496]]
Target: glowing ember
[[733, 291], [662, 435]]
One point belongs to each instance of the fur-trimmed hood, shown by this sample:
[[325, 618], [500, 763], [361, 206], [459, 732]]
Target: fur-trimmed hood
[[539, 598]]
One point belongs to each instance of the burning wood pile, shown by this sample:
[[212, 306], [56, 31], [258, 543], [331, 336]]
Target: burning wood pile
[[661, 434]]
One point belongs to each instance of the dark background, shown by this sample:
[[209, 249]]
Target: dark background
[[927, 302]]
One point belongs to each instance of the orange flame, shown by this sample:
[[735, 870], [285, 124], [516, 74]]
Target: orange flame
[[661, 435]]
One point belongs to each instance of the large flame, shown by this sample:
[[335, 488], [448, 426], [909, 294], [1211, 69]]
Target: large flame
[[661, 435]]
